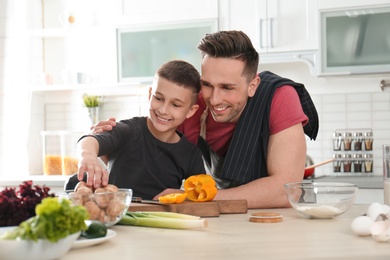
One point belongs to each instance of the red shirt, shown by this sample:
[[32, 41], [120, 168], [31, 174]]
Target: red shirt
[[286, 111]]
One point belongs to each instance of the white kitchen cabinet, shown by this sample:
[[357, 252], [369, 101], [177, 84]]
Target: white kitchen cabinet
[[151, 11], [337, 4], [89, 45], [277, 25]]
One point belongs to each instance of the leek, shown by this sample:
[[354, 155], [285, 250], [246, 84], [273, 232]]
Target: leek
[[163, 220]]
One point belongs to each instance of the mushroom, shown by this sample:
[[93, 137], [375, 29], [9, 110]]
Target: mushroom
[[93, 210]]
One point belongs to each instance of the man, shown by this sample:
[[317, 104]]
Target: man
[[250, 127]]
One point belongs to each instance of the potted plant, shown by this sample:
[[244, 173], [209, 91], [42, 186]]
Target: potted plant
[[92, 104]]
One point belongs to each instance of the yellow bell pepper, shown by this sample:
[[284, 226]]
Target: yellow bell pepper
[[173, 198], [200, 187]]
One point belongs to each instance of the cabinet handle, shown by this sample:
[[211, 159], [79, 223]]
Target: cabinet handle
[[384, 83], [271, 43], [261, 34]]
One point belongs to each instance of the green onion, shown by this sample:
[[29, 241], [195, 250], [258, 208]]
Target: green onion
[[163, 220]]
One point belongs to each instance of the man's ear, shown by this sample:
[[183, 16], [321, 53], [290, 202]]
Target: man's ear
[[253, 85], [192, 111], [150, 93]]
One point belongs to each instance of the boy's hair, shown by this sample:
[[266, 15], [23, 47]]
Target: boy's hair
[[183, 74], [234, 45]]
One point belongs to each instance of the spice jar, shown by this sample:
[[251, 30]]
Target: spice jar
[[337, 163], [357, 162], [357, 141], [368, 162], [347, 140], [347, 162], [336, 141], [368, 139]]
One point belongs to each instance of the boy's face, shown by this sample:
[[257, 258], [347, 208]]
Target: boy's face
[[169, 104], [225, 89]]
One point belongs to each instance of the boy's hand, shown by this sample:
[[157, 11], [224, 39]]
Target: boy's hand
[[97, 175]]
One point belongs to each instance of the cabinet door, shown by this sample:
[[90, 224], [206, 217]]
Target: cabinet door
[[336, 4], [287, 25], [169, 10], [276, 25]]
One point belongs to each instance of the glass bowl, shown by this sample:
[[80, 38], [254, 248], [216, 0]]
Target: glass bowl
[[106, 207], [322, 200]]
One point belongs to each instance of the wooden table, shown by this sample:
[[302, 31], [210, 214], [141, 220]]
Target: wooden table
[[232, 236]]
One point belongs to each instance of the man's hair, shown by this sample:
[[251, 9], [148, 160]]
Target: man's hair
[[233, 45], [183, 74]]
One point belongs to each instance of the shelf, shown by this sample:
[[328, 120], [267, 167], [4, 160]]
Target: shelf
[[55, 180], [136, 89], [65, 32]]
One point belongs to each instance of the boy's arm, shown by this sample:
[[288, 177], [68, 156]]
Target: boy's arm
[[87, 150]]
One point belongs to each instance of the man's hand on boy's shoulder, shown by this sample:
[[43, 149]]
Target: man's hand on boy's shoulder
[[103, 126]]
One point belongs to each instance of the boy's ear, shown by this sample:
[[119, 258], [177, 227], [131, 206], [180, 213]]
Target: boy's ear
[[192, 111]]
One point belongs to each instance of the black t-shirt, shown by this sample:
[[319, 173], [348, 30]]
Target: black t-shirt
[[139, 161]]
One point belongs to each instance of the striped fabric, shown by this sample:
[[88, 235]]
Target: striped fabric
[[246, 158]]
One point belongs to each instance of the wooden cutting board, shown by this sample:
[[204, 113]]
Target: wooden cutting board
[[202, 209]]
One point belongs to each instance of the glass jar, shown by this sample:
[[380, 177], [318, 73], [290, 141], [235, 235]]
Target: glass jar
[[357, 162], [337, 163], [336, 141], [347, 162], [368, 162], [368, 140], [357, 141], [347, 140]]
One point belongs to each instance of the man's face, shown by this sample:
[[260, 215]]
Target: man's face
[[224, 88]]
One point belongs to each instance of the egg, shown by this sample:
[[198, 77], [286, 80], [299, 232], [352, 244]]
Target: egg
[[361, 225], [386, 208], [380, 230], [375, 209]]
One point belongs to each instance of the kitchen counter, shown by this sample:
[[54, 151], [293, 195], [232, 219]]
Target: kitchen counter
[[370, 187], [232, 236], [363, 182]]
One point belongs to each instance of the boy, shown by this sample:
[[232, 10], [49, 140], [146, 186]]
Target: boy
[[147, 154]]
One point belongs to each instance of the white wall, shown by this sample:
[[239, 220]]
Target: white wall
[[343, 103], [14, 98]]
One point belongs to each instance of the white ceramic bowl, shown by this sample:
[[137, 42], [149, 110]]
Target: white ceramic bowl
[[40, 250], [321, 200], [107, 207]]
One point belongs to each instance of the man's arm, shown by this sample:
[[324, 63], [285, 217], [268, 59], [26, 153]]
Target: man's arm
[[285, 163], [87, 150]]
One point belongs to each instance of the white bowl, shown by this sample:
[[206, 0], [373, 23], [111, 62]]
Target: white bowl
[[40, 250], [321, 200]]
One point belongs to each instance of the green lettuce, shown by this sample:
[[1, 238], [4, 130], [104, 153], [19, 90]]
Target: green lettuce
[[55, 219]]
